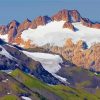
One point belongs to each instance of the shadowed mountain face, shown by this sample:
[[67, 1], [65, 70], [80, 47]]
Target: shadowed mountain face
[[23, 62]]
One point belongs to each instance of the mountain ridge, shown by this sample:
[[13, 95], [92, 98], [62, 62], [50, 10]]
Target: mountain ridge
[[14, 29], [70, 38]]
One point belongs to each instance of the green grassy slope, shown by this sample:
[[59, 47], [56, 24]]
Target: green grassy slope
[[9, 97], [10, 85], [63, 92]]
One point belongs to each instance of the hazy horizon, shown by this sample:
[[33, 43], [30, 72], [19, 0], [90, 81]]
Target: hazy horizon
[[22, 9]]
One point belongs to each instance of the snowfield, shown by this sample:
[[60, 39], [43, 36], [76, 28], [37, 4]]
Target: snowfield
[[25, 98], [4, 52], [4, 37], [49, 62], [55, 34]]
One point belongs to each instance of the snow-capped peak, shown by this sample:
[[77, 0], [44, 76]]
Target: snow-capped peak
[[55, 34]]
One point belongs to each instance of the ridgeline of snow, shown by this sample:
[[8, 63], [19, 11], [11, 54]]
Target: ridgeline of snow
[[55, 34], [4, 52], [49, 62]]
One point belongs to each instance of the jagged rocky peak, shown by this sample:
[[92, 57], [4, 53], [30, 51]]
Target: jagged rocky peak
[[41, 20], [12, 30], [27, 20], [67, 15], [61, 15], [88, 23], [64, 19], [13, 24], [3, 29], [47, 19], [11, 34], [24, 25], [74, 16], [69, 26]]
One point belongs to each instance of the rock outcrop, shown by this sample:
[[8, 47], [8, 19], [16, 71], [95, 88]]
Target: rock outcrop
[[96, 25], [61, 15], [23, 26], [79, 54], [67, 15], [41, 20], [88, 23], [11, 34], [3, 29], [69, 26], [74, 16], [12, 30], [13, 24]]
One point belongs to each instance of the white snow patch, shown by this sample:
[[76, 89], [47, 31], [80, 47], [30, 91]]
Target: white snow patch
[[7, 71], [4, 37], [26, 98], [61, 78], [55, 34], [49, 62], [4, 52], [5, 80], [95, 73], [8, 93]]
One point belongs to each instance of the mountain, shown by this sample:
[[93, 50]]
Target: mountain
[[65, 33], [60, 24], [43, 76], [50, 58]]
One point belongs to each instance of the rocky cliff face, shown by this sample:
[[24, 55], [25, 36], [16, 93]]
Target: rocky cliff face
[[67, 15], [88, 23], [61, 15], [24, 25], [80, 55], [3, 29], [12, 30], [68, 26], [41, 20]]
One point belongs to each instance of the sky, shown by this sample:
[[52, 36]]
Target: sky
[[21, 9]]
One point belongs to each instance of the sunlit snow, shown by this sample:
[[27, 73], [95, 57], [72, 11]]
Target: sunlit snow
[[4, 37], [49, 62], [55, 34]]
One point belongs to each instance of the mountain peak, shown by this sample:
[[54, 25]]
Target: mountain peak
[[27, 20], [14, 30], [13, 24], [67, 15]]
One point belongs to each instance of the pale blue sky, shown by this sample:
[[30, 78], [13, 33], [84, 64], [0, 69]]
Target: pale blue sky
[[22, 9]]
